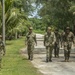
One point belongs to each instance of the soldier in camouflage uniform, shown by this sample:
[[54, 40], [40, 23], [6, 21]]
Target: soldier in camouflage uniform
[[31, 40], [49, 40], [61, 36], [68, 38], [2, 51], [56, 45]]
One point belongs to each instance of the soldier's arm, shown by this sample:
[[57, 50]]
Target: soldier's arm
[[63, 37], [44, 39], [73, 38], [59, 37], [35, 39], [54, 38]]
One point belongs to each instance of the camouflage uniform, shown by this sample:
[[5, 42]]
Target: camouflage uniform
[[49, 39], [61, 39], [68, 38], [31, 40], [2, 51], [56, 45]]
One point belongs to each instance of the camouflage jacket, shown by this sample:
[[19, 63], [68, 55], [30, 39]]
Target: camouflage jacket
[[58, 38], [49, 39], [68, 37], [31, 38]]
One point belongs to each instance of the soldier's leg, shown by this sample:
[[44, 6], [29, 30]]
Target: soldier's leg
[[68, 54], [32, 49], [55, 50], [50, 53], [65, 52], [28, 50], [47, 54], [69, 50]]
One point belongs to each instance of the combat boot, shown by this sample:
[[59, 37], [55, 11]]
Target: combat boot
[[50, 60], [29, 58], [65, 60]]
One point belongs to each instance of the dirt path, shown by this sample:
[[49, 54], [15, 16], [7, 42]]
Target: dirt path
[[57, 66]]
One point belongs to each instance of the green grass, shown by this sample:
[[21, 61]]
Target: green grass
[[13, 63]]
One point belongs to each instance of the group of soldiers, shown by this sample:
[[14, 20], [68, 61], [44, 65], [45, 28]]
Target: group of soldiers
[[52, 42]]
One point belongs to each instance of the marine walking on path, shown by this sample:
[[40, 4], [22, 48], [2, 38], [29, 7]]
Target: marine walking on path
[[68, 39], [57, 43], [49, 40], [31, 41]]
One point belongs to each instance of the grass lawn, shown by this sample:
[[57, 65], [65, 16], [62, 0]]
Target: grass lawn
[[13, 63]]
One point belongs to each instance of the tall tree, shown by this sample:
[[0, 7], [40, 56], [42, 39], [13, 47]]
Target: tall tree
[[16, 10], [56, 12]]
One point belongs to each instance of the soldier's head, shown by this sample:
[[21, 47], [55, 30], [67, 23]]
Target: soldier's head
[[67, 29], [30, 29], [49, 29], [0, 37]]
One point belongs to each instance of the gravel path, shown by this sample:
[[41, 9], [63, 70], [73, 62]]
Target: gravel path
[[57, 66]]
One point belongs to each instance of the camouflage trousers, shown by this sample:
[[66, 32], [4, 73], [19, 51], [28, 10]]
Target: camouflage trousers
[[56, 50], [30, 49], [0, 58], [49, 50], [67, 50]]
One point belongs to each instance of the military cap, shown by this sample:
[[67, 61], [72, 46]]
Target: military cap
[[49, 27], [67, 28], [0, 36], [30, 27]]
